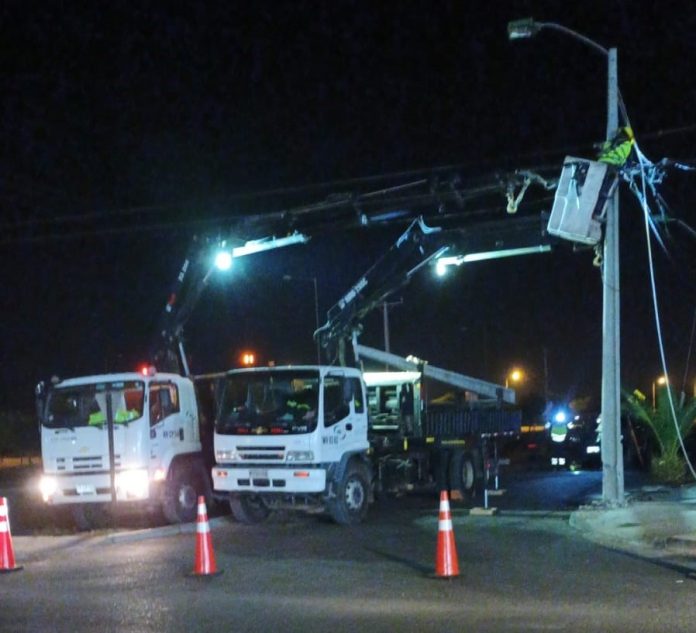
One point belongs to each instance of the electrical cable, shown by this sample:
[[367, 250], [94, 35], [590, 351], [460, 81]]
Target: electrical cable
[[643, 161], [688, 354], [284, 191]]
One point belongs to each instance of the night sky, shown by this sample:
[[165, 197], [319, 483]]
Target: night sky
[[129, 127]]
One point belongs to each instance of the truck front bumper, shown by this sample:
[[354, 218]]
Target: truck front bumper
[[131, 486], [261, 479]]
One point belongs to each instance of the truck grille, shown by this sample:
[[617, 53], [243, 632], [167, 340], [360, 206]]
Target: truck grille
[[85, 463], [261, 453]]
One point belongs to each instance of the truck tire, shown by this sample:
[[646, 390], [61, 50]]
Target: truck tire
[[180, 497], [90, 516], [349, 507], [462, 475], [249, 509]]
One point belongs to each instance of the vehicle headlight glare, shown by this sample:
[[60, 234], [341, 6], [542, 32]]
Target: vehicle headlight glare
[[299, 456], [48, 487], [222, 456], [134, 483]]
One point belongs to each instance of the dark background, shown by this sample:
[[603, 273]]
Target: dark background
[[126, 128]]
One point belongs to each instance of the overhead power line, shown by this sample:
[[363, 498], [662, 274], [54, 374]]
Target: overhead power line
[[74, 225]]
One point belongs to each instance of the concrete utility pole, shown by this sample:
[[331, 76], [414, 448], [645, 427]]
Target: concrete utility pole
[[612, 454]]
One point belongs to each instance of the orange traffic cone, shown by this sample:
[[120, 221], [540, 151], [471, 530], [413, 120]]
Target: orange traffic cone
[[446, 563], [205, 557], [7, 559]]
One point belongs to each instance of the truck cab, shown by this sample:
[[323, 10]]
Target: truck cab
[[293, 437], [124, 438]]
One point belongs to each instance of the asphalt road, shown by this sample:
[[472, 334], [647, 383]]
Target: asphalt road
[[522, 570], [298, 573]]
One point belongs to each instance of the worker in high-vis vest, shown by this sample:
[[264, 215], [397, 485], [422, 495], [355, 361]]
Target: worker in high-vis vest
[[558, 432]]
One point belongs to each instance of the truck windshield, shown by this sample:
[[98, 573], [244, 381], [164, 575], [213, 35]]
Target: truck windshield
[[269, 403], [86, 405]]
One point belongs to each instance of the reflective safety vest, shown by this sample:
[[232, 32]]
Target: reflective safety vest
[[558, 432], [125, 416], [97, 418]]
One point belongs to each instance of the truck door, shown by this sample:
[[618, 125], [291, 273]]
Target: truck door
[[166, 423], [344, 420]]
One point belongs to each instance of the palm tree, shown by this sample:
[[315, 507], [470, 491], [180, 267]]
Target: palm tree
[[669, 465]]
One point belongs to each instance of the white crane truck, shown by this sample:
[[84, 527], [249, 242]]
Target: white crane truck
[[137, 440], [325, 438], [129, 438]]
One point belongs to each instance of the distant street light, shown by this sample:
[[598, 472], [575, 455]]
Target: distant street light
[[316, 305], [515, 376], [661, 381], [612, 455], [248, 359]]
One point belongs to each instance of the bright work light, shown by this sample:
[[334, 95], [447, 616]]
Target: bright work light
[[223, 260]]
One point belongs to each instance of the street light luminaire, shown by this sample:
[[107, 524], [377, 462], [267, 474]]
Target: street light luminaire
[[522, 29]]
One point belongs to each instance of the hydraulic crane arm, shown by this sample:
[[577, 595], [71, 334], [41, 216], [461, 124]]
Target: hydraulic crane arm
[[167, 352], [416, 246]]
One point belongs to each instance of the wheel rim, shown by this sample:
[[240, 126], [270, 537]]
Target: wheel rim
[[467, 475], [187, 497], [355, 495]]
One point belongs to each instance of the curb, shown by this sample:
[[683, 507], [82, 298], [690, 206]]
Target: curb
[[33, 548], [684, 544], [643, 528], [165, 530]]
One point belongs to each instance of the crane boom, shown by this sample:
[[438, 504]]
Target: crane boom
[[167, 351], [418, 246]]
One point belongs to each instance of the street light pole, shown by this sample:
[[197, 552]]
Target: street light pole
[[316, 306], [316, 317], [612, 455]]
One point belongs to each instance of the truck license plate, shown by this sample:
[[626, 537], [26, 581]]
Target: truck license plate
[[258, 474], [85, 489]]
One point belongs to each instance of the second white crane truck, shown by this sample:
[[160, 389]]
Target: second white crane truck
[[325, 438]]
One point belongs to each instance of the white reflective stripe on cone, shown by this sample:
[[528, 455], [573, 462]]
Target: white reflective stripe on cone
[[445, 525], [202, 527]]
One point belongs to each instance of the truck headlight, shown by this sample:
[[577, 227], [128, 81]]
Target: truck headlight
[[223, 456], [48, 487], [134, 483], [299, 456]]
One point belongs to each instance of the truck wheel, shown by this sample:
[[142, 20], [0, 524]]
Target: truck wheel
[[90, 516], [180, 497], [462, 475], [249, 509], [349, 507]]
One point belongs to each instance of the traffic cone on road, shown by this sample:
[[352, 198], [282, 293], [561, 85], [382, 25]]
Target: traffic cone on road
[[205, 557], [7, 559], [446, 563]]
